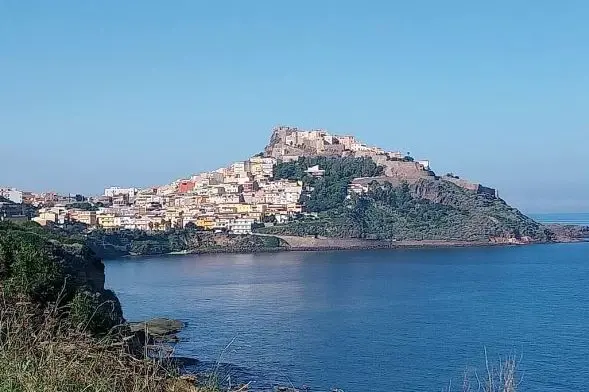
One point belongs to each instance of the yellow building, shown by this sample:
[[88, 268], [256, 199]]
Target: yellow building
[[85, 217], [206, 222], [48, 216], [107, 221], [243, 208]]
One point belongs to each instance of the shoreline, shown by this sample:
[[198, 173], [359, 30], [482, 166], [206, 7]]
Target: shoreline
[[351, 246], [340, 244]]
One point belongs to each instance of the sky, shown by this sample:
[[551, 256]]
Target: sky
[[139, 93]]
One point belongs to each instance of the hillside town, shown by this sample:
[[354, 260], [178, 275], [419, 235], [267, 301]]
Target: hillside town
[[227, 199], [232, 199]]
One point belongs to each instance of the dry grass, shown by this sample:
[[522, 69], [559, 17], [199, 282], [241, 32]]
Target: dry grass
[[39, 352], [502, 377]]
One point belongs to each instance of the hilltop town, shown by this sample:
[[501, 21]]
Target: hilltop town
[[243, 196], [232, 198]]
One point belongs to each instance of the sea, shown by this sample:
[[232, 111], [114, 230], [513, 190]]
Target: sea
[[376, 320]]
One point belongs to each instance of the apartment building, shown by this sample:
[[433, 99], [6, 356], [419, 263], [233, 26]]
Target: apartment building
[[12, 194], [106, 221], [115, 191], [242, 226], [85, 217]]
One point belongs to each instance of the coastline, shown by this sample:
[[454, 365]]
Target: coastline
[[268, 243], [400, 245]]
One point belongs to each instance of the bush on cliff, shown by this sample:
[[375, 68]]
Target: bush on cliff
[[37, 268]]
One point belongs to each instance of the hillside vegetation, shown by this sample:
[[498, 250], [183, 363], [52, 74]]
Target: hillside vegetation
[[330, 191], [426, 210], [111, 244]]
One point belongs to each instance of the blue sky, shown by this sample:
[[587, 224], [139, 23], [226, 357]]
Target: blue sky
[[94, 94]]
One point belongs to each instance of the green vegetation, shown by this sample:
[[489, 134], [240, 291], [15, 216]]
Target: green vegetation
[[35, 267], [111, 244], [61, 331], [430, 209], [330, 191]]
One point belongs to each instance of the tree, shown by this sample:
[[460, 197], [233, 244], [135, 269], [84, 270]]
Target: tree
[[330, 191], [271, 218]]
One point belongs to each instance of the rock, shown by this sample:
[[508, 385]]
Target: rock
[[159, 327]]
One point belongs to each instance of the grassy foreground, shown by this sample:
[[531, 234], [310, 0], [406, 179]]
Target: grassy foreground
[[39, 352]]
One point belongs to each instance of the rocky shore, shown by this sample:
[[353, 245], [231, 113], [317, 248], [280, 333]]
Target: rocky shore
[[289, 243]]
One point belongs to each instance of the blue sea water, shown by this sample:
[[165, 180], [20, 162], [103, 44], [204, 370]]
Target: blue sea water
[[380, 320], [564, 219]]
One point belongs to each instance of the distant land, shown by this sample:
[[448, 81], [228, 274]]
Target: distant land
[[306, 189]]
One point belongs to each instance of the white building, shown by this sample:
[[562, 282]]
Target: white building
[[424, 163], [115, 191], [240, 168], [11, 194], [231, 188], [242, 226], [315, 171]]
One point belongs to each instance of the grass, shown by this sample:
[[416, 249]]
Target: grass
[[502, 377], [40, 352]]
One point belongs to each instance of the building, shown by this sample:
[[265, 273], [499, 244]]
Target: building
[[206, 222], [107, 221], [229, 188], [241, 226], [185, 186], [262, 167], [85, 217], [315, 171], [12, 194], [46, 216], [115, 191], [241, 169], [425, 164], [12, 212]]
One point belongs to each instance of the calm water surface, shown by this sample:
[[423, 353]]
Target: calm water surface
[[405, 320], [564, 219]]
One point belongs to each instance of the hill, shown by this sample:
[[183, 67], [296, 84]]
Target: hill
[[360, 197]]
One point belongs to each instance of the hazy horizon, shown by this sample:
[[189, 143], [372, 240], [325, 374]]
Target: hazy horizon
[[143, 93]]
